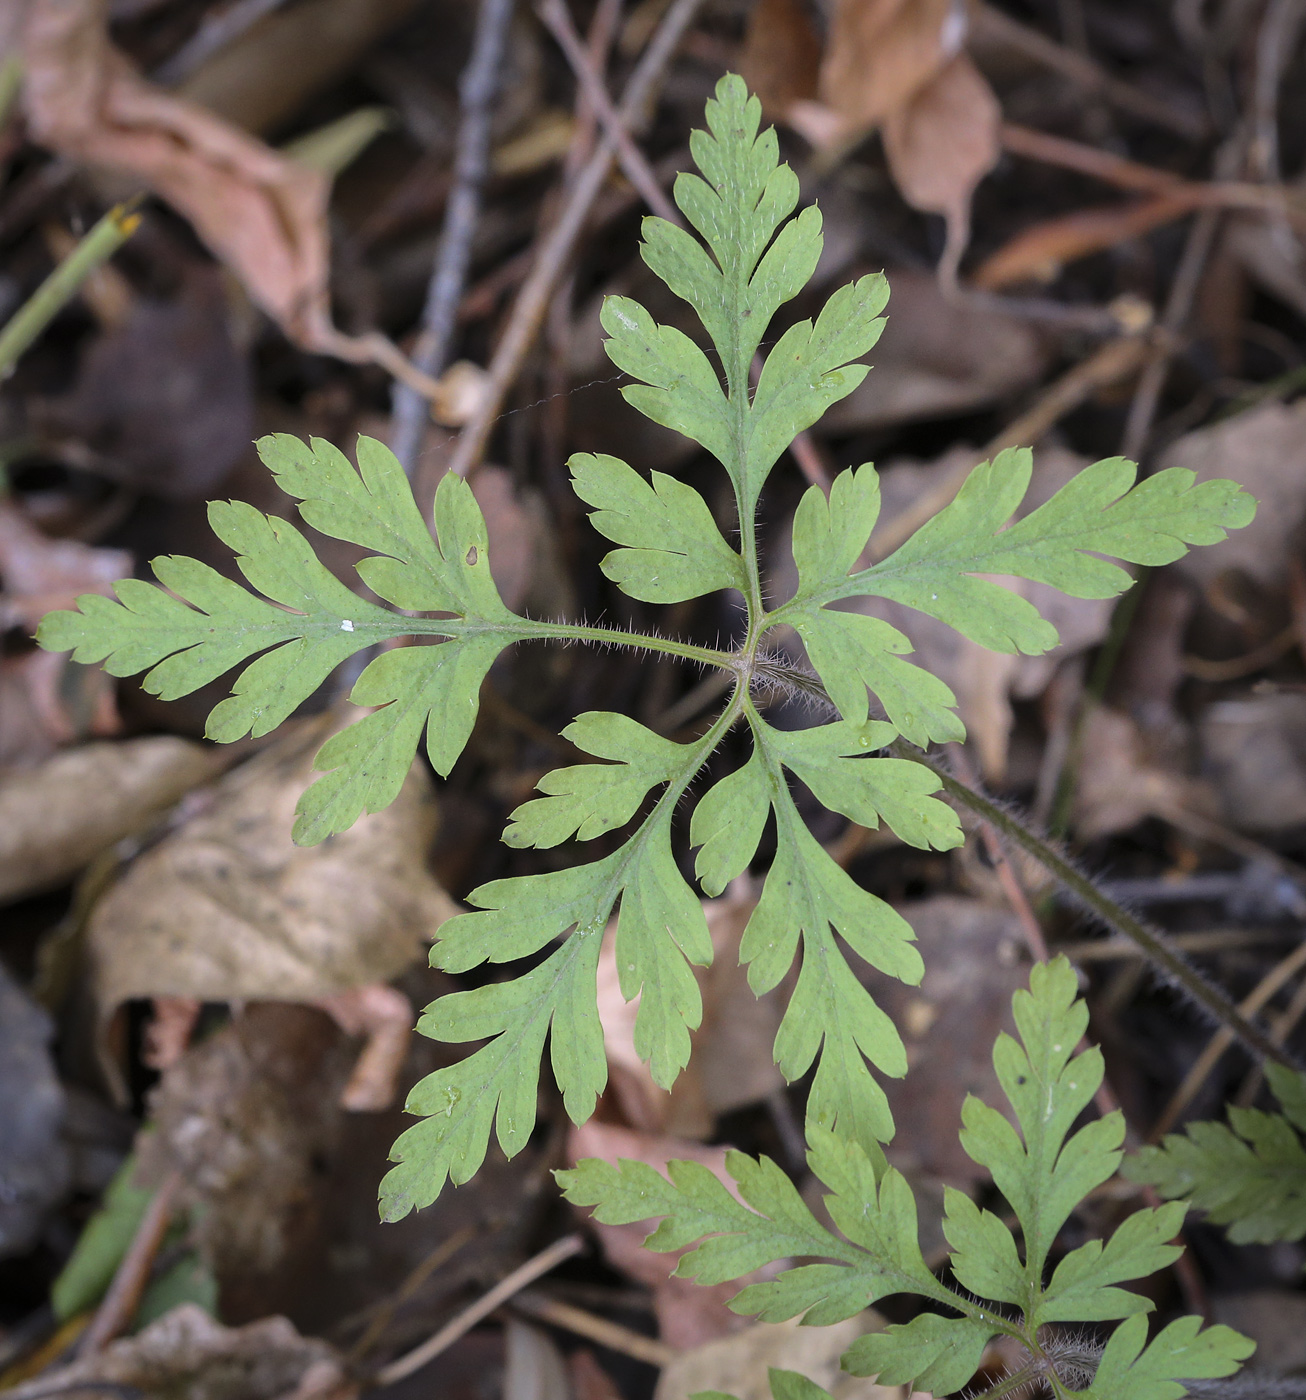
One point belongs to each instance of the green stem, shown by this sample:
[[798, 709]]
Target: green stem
[[62, 285], [1152, 941], [636, 641]]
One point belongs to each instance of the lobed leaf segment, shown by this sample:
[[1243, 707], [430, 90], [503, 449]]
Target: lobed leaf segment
[[752, 258], [1044, 1171], [1250, 1176]]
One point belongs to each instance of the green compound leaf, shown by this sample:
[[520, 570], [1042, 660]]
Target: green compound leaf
[[676, 551], [212, 624], [661, 929], [876, 1253], [937, 570], [1250, 1177]]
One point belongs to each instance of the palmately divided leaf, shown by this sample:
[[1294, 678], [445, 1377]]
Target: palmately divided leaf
[[728, 822], [679, 388], [431, 688], [675, 549], [808, 370], [1250, 1177]]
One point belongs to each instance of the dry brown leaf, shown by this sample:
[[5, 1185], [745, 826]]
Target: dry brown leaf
[[1039, 253], [186, 1352], [41, 573], [243, 1116], [739, 1365], [228, 908], [1254, 753], [688, 1313], [732, 1062], [940, 144], [1263, 450], [1120, 780], [47, 701], [261, 214], [973, 966], [781, 57], [880, 52], [56, 818]]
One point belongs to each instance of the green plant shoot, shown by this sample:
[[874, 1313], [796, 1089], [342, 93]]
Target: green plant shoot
[[300, 622]]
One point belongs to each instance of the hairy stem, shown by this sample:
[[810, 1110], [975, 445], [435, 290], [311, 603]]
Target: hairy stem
[[1154, 944], [636, 641]]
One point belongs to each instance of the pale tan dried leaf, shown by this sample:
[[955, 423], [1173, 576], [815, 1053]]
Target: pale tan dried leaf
[[258, 212], [1120, 780], [187, 1352], [41, 573], [228, 908], [739, 1364], [983, 681], [940, 144], [56, 818]]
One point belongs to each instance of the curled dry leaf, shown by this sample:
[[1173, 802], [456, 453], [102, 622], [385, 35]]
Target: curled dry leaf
[[260, 213], [228, 908], [57, 817], [738, 1365], [941, 143], [731, 1065], [688, 1313], [1039, 253], [186, 1352], [880, 53]]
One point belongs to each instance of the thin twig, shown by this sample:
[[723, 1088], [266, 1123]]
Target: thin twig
[[634, 163], [528, 310], [476, 91], [218, 29], [118, 1306], [467, 1319], [386, 1309], [1155, 945], [598, 1329]]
